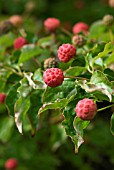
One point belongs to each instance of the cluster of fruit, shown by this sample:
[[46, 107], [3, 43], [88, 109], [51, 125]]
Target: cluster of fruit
[[53, 77]]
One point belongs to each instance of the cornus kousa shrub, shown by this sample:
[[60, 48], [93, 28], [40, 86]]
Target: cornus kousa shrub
[[58, 78]]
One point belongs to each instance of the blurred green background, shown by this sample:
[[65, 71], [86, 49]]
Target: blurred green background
[[66, 10], [50, 149]]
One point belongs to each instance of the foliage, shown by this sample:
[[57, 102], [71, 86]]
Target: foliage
[[33, 107]]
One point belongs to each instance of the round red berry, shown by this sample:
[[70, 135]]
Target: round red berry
[[80, 27], [66, 52], [53, 77], [86, 109], [51, 24], [11, 164], [2, 97], [19, 42]]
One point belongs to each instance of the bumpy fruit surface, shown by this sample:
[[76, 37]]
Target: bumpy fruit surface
[[50, 63], [2, 97], [80, 27], [66, 52], [108, 20], [53, 77], [19, 42], [78, 40], [11, 164], [16, 20], [86, 109], [51, 24]]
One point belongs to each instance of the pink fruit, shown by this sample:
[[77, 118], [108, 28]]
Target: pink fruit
[[19, 42], [11, 164], [16, 20], [108, 20], [80, 27], [86, 109], [66, 52], [53, 77], [78, 40], [111, 3], [51, 24], [2, 97]]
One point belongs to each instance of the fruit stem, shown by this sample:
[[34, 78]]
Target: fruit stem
[[76, 77], [105, 108], [11, 69], [66, 32], [36, 61]]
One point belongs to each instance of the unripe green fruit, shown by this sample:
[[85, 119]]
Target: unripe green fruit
[[50, 63], [5, 27], [108, 20], [78, 40]]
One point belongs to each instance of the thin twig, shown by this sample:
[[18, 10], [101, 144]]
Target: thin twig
[[36, 61], [76, 77], [105, 108]]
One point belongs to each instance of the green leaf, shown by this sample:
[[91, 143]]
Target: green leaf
[[95, 90], [3, 79], [62, 91], [38, 76], [46, 41], [99, 31], [109, 47], [112, 124], [24, 90], [6, 41], [21, 107], [75, 71], [110, 59], [29, 51], [22, 104], [58, 137], [69, 115], [35, 105], [101, 81], [6, 128], [109, 74], [36, 84], [11, 98], [59, 104], [79, 126]]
